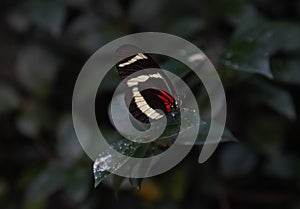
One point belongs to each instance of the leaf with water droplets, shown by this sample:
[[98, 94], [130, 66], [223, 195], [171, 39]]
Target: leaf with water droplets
[[189, 121], [108, 161], [253, 43]]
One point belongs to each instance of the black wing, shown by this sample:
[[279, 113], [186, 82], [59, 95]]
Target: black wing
[[135, 63]]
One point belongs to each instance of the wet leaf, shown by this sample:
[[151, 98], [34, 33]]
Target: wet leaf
[[253, 43], [99, 176], [189, 118], [107, 161]]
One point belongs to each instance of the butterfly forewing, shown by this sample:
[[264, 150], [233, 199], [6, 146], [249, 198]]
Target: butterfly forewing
[[135, 63]]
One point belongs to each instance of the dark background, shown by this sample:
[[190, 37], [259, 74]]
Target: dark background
[[255, 46]]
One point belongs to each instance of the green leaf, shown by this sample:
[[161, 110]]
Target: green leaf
[[68, 146], [32, 120], [136, 183], [117, 182], [266, 131], [77, 3], [177, 183], [189, 118], [227, 136], [237, 160], [90, 32], [48, 15], [76, 183], [46, 183], [277, 98], [18, 21], [36, 69], [149, 11], [99, 176], [283, 166], [9, 99], [107, 161], [111, 8], [186, 27], [287, 70], [272, 36], [253, 43], [84, 31], [296, 205], [247, 57]]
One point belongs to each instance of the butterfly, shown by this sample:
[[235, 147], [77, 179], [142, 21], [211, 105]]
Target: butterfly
[[145, 102]]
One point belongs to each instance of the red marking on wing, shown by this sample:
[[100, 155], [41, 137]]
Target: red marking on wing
[[167, 105], [163, 98], [168, 108], [167, 95]]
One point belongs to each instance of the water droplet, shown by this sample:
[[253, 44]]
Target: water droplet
[[102, 164]]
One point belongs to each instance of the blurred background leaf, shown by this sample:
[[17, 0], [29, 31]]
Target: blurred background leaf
[[9, 99], [254, 45]]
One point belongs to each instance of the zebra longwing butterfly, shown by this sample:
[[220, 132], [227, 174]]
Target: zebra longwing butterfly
[[143, 104]]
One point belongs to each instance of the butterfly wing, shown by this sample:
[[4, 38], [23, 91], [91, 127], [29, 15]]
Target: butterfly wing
[[142, 103]]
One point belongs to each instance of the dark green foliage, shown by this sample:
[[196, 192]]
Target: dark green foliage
[[254, 45]]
